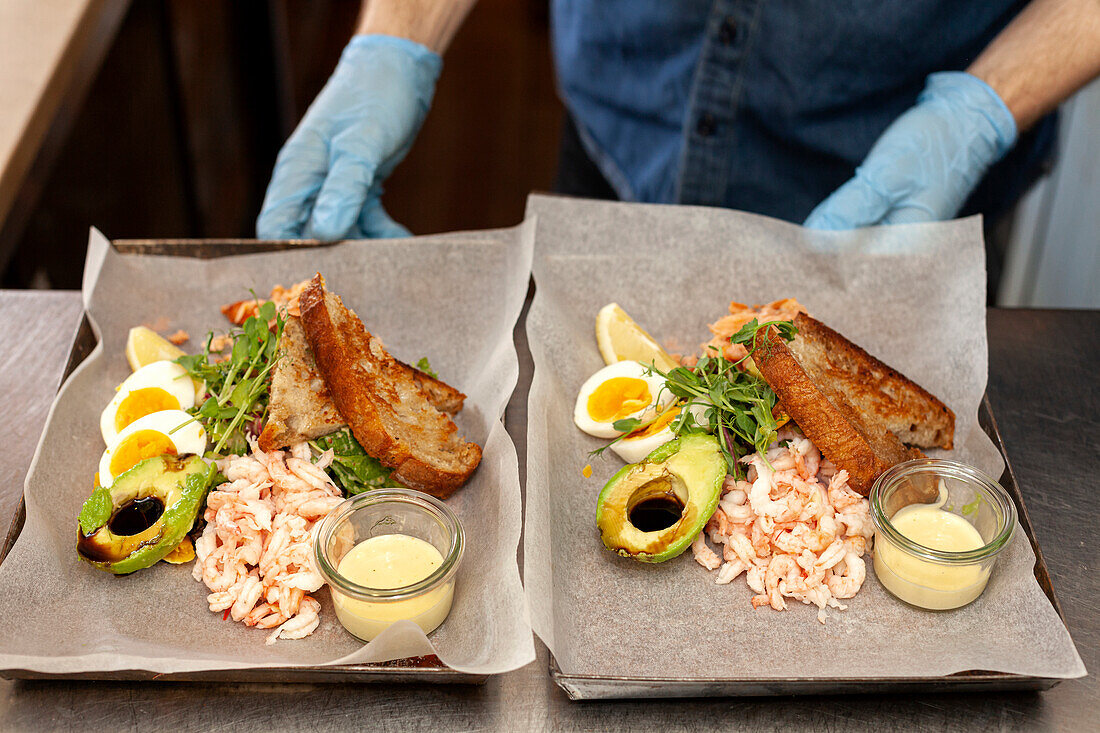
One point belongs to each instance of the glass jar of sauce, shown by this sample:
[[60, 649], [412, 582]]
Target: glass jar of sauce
[[390, 555], [939, 527]]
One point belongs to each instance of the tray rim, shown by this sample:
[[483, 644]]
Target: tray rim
[[599, 686], [576, 686], [414, 669]]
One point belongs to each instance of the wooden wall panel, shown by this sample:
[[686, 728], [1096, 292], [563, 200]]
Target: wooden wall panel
[[121, 168], [224, 82]]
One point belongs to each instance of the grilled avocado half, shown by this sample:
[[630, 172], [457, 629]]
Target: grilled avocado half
[[651, 511], [144, 515]]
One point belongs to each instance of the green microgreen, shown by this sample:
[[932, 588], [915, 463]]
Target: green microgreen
[[733, 405], [746, 335], [425, 366], [626, 426], [236, 394], [736, 407]]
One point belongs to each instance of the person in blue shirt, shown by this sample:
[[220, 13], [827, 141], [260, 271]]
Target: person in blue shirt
[[834, 113]]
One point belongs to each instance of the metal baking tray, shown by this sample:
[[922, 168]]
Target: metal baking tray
[[605, 687], [416, 669]]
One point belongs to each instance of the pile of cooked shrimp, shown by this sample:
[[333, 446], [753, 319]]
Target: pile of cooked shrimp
[[255, 554], [794, 528]]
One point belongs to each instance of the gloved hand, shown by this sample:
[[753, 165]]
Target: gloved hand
[[328, 177], [928, 161]]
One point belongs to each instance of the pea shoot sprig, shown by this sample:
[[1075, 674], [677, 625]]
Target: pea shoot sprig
[[736, 406], [746, 335], [237, 386]]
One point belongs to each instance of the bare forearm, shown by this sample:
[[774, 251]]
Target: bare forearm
[[430, 22], [1049, 51]]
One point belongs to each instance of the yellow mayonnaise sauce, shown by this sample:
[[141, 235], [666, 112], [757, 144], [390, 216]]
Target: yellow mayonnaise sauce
[[386, 562], [927, 583]]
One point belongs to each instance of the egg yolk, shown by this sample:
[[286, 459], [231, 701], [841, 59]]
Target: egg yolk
[[142, 402], [135, 448], [618, 397], [656, 426]]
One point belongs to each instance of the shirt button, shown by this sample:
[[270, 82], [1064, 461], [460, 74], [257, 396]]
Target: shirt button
[[727, 32], [706, 125]]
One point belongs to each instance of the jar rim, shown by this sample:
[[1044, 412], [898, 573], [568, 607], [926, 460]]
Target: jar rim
[[944, 468], [325, 528]]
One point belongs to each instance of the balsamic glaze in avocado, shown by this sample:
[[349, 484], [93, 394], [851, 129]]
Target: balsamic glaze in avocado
[[136, 516], [656, 513]]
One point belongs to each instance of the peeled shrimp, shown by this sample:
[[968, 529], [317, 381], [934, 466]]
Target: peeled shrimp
[[840, 496], [255, 552], [741, 547], [704, 555], [248, 596], [833, 554], [848, 582], [760, 495], [856, 522], [301, 625], [781, 570], [729, 571], [794, 528], [719, 522]]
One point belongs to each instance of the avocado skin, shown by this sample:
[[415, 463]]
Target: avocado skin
[[692, 469], [179, 482]]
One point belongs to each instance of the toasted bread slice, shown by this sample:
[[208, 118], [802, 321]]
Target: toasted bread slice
[[846, 436], [300, 407], [384, 402], [881, 395], [441, 395], [829, 425]]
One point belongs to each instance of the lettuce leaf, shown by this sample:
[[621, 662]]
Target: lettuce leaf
[[96, 511], [352, 469]]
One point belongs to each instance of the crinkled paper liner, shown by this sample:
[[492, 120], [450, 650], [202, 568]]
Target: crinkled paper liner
[[453, 298], [912, 295]]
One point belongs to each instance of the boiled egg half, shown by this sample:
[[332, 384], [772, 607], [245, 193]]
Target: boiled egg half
[[168, 432], [635, 446], [161, 385], [619, 391]]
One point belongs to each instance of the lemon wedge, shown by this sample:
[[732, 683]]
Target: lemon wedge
[[144, 346], [621, 339]]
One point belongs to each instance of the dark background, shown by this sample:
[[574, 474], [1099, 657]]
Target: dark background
[[178, 132]]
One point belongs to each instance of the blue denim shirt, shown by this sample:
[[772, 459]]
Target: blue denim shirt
[[760, 105]]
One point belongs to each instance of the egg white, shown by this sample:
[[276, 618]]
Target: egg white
[[191, 438], [165, 375], [633, 450], [658, 397]]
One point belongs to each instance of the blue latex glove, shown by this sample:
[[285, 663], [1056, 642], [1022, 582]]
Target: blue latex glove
[[928, 161], [328, 177]]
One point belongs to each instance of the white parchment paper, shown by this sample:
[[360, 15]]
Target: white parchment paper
[[912, 295], [454, 299]]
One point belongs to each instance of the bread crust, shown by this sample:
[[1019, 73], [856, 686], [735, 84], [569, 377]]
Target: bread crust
[[828, 425], [384, 403], [301, 408], [878, 393]]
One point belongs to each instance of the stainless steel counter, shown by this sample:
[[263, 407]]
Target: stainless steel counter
[[1045, 393]]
